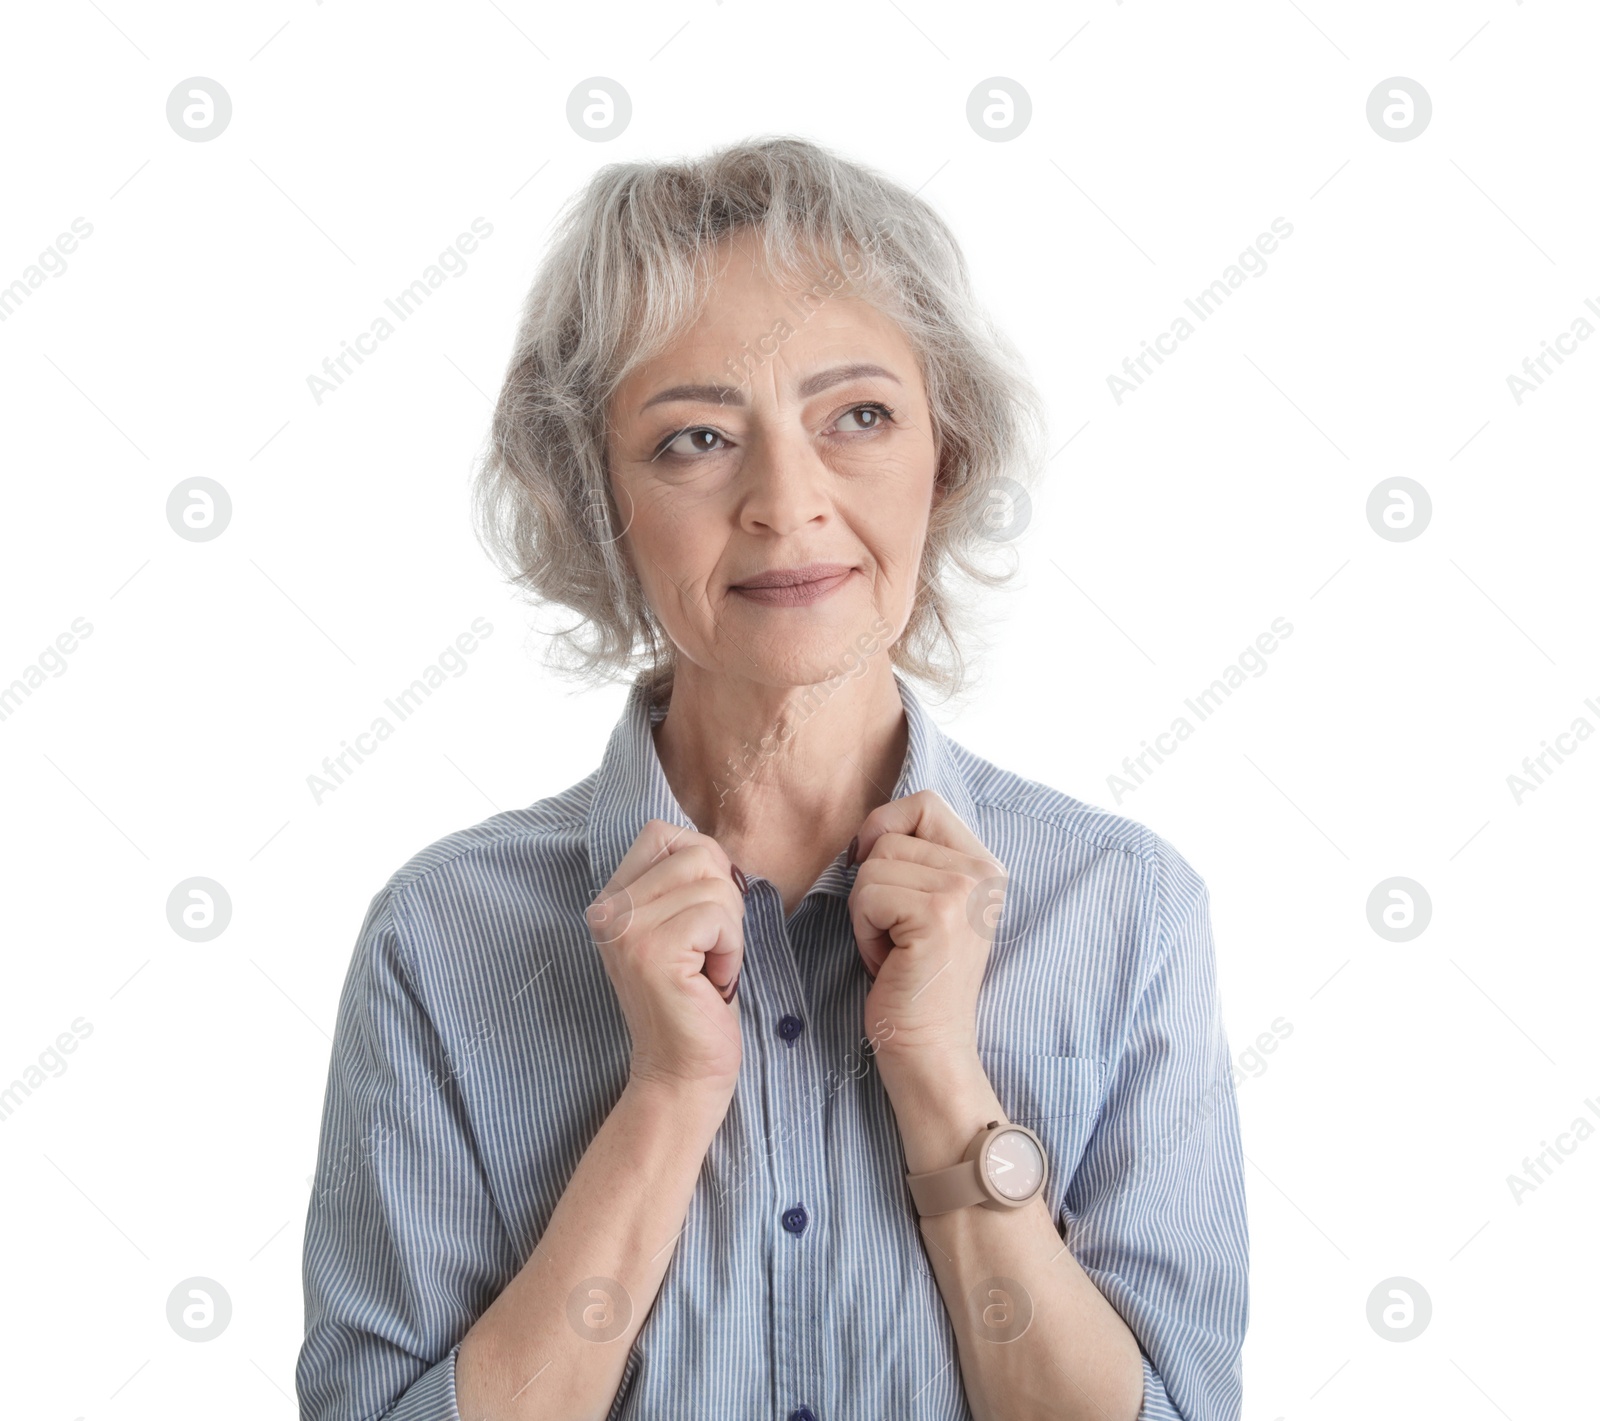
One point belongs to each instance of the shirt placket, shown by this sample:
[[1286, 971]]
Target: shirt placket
[[778, 1014]]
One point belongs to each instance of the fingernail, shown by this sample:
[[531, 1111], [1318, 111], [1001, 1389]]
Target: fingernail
[[850, 853], [733, 988], [742, 881], [598, 912]]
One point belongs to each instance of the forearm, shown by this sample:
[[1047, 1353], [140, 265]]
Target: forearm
[[1075, 1358], [618, 1219]]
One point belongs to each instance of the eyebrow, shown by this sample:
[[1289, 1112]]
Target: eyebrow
[[733, 394]]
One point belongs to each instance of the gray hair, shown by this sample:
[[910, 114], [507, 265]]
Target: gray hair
[[628, 270]]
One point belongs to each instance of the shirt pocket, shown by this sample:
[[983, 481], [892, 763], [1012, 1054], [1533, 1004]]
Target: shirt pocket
[[1057, 1097]]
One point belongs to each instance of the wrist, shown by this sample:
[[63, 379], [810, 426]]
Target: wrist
[[695, 1108], [940, 1105], [929, 1070]]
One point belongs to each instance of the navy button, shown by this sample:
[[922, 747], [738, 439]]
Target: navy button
[[790, 1027], [796, 1219], [805, 1413]]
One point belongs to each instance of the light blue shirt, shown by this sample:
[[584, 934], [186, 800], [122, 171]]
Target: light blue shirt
[[480, 1046]]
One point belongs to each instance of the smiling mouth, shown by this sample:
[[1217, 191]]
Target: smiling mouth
[[794, 586]]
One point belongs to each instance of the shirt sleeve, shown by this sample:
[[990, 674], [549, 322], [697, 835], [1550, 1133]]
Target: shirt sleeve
[[1155, 1213], [404, 1248]]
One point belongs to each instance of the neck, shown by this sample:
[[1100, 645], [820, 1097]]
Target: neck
[[782, 775]]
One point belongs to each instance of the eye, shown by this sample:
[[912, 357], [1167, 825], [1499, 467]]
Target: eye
[[696, 440], [881, 415], [674, 444]]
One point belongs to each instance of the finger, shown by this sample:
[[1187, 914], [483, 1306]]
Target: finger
[[878, 911], [709, 929], [682, 864], [923, 815], [691, 932], [656, 841], [903, 873], [905, 848], [710, 941], [686, 869]]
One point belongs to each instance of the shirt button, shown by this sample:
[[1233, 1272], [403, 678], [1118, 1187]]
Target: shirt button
[[790, 1027], [795, 1220], [805, 1413]]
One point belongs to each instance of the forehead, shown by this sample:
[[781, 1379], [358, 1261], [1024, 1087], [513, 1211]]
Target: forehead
[[791, 321]]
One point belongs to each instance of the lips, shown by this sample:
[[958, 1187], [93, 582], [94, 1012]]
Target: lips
[[794, 586]]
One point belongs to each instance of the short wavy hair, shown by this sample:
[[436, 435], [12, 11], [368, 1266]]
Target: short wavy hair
[[629, 268]]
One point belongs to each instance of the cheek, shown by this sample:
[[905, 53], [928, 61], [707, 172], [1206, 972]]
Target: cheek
[[674, 544], [653, 523], [895, 528]]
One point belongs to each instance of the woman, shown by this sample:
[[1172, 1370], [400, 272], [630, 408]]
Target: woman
[[797, 1062]]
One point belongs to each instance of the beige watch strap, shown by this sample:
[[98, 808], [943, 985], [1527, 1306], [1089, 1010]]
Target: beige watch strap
[[939, 1191]]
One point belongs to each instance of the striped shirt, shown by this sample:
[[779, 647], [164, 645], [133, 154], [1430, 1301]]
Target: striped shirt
[[480, 1046]]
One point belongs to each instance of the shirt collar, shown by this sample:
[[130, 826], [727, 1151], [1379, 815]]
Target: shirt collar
[[632, 788]]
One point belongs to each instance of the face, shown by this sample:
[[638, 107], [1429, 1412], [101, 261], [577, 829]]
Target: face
[[776, 470], [1015, 1166]]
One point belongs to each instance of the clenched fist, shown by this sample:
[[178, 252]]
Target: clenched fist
[[669, 926]]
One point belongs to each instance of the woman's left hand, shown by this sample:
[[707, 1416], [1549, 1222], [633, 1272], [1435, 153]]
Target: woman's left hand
[[924, 907]]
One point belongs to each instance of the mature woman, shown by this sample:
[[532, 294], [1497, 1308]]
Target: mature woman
[[796, 1063]]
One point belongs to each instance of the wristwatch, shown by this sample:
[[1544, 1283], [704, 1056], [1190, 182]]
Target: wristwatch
[[1004, 1168]]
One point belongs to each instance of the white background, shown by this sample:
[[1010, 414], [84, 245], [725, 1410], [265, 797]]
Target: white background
[[1229, 490]]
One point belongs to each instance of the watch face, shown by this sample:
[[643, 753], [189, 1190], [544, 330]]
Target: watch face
[[1014, 1165]]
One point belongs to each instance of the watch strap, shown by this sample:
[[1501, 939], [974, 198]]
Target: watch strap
[[939, 1191], [956, 1186]]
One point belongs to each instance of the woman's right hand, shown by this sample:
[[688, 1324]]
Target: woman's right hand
[[670, 929]]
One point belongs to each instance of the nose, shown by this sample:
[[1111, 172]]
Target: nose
[[783, 485]]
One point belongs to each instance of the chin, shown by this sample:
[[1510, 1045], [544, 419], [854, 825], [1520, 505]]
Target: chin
[[821, 656]]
